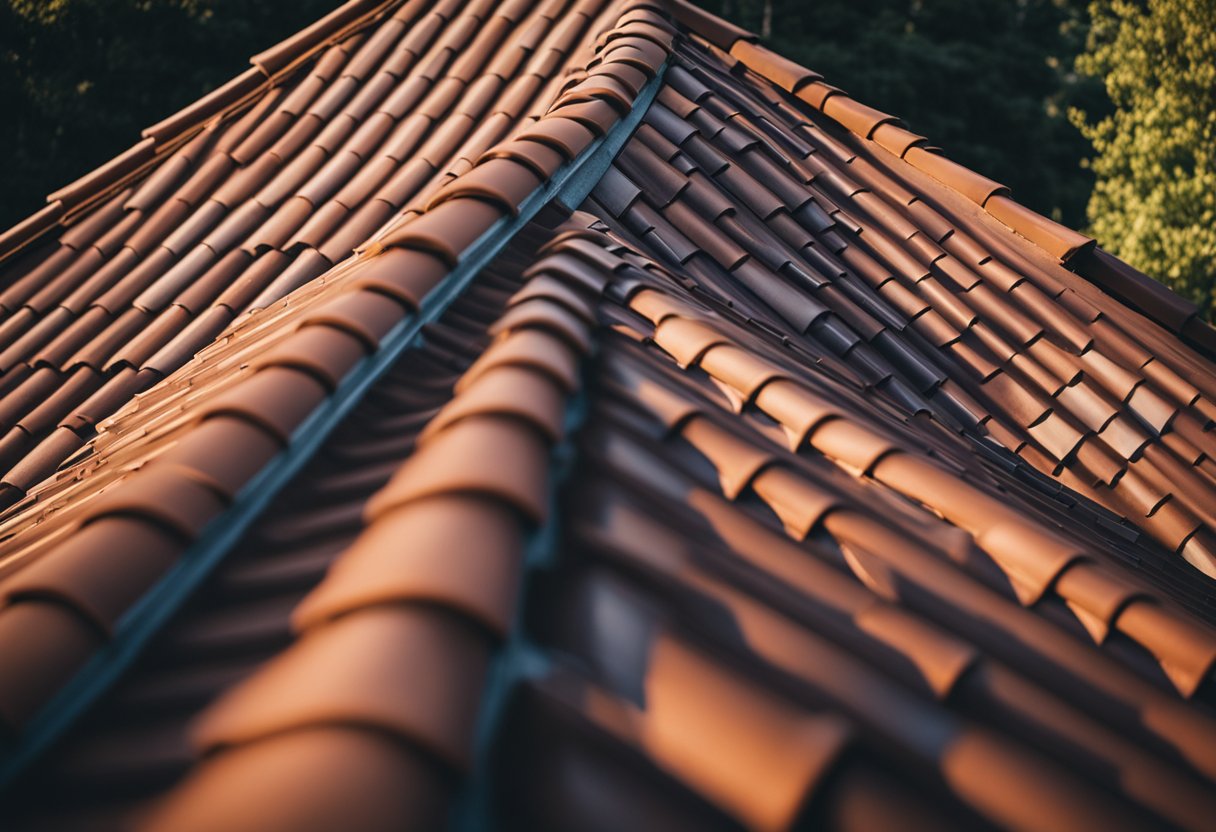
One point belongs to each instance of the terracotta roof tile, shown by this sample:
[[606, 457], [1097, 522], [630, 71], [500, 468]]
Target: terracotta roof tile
[[392, 786], [341, 674], [100, 591], [45, 643], [784, 421], [464, 556]]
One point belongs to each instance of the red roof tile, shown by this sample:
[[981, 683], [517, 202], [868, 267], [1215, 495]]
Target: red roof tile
[[795, 429]]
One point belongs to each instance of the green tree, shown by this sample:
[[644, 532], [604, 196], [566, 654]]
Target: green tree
[[1154, 202]]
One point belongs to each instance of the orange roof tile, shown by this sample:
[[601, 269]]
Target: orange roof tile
[[799, 476]]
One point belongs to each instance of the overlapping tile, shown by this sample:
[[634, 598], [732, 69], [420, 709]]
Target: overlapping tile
[[332, 136], [863, 245], [737, 513], [283, 358], [243, 617], [830, 486], [420, 622]]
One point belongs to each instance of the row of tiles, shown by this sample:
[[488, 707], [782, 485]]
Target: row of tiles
[[736, 567], [259, 205], [1031, 560], [704, 450], [181, 454], [840, 248], [396, 643], [134, 745], [69, 203], [858, 611], [657, 651], [676, 740], [740, 47]]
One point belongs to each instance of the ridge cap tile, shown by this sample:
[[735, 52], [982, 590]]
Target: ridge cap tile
[[464, 553], [451, 463], [438, 659]]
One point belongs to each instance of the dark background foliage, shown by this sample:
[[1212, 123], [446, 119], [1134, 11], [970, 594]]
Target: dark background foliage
[[80, 78], [990, 81]]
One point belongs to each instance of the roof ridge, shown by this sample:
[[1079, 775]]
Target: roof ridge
[[37, 443]]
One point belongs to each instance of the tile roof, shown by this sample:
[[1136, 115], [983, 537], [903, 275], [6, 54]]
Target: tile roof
[[356, 481]]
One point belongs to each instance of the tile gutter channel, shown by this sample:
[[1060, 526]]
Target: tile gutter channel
[[569, 186]]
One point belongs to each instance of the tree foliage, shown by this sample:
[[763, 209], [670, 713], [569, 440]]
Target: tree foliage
[[1154, 202], [990, 81], [80, 78]]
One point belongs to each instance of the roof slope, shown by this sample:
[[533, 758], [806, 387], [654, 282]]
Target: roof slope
[[551, 519], [259, 191]]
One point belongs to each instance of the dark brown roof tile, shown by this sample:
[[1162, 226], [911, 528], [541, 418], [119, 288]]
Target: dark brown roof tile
[[44, 644], [196, 335], [40, 461], [321, 224], [220, 276], [183, 273], [75, 387], [86, 327], [157, 333], [356, 230]]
